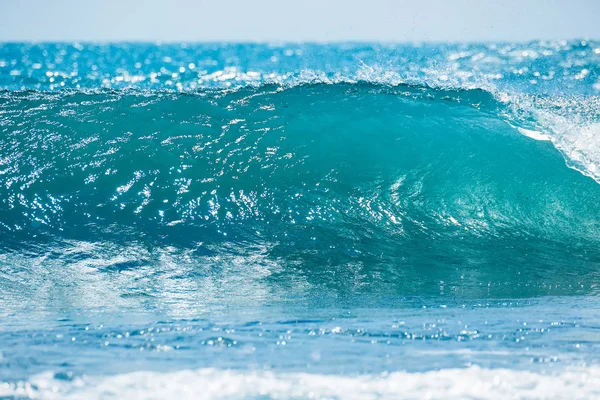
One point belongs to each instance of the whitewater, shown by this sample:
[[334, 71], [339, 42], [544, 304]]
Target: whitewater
[[300, 220]]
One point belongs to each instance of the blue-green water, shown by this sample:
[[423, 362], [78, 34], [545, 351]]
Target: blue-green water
[[296, 221]]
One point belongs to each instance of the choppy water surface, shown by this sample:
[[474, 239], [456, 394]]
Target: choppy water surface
[[295, 221]]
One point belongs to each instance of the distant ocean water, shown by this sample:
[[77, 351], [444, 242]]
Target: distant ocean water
[[300, 221]]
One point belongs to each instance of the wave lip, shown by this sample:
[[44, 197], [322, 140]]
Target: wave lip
[[473, 382], [548, 66]]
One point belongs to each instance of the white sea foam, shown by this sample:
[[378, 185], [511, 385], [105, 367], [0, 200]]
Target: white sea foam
[[534, 134], [471, 383], [579, 142], [570, 124]]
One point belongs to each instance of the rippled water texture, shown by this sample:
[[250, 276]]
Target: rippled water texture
[[295, 221]]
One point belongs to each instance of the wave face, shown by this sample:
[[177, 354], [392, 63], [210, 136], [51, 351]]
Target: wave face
[[357, 213], [388, 181]]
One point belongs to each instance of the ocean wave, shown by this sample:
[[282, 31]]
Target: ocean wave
[[407, 155], [344, 180]]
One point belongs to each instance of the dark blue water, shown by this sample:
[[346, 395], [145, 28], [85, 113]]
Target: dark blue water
[[300, 221]]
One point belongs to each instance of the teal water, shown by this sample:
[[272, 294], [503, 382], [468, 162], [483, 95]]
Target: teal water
[[295, 221]]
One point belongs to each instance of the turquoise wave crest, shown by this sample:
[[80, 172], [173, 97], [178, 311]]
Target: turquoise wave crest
[[342, 181]]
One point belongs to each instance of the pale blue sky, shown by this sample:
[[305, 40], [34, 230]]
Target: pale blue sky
[[299, 20]]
